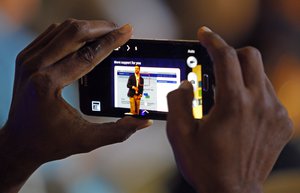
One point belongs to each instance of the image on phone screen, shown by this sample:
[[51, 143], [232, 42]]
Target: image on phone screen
[[137, 77]]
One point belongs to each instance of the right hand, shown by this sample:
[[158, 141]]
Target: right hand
[[234, 147], [135, 88]]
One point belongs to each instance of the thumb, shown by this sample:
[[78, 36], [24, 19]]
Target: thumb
[[97, 135]]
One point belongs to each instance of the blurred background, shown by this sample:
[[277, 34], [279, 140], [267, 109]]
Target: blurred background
[[144, 163]]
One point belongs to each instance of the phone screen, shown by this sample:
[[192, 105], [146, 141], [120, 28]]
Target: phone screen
[[157, 77], [137, 77]]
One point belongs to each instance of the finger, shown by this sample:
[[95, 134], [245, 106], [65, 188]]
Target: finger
[[71, 36], [25, 54], [98, 135], [227, 68], [35, 43], [252, 68], [85, 59], [33, 51], [180, 118]]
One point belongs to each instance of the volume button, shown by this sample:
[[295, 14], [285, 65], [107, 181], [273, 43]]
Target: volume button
[[205, 82]]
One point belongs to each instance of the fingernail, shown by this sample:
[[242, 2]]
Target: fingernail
[[206, 29], [125, 29]]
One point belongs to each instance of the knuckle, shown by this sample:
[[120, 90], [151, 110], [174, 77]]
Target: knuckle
[[20, 58], [69, 21], [251, 51], [77, 27], [24, 60], [105, 45], [267, 103], [27, 65], [109, 39], [227, 52], [86, 55], [281, 112], [283, 122], [54, 25]]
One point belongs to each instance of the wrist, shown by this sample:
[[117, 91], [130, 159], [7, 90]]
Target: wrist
[[17, 163]]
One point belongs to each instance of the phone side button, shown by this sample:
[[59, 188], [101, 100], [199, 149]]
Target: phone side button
[[205, 82]]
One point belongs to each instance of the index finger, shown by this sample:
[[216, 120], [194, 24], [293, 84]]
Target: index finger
[[69, 37], [180, 116], [228, 73]]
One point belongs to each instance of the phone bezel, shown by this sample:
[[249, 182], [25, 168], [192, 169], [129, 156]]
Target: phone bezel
[[163, 49]]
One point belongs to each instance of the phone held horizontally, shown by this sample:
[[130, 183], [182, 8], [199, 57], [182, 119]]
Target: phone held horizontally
[[135, 79]]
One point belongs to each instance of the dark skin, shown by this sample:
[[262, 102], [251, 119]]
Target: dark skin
[[232, 149], [42, 126]]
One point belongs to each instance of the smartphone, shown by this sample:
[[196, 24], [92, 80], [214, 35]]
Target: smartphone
[[134, 79]]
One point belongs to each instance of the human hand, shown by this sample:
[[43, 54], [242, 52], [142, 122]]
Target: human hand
[[234, 147], [42, 126], [135, 88]]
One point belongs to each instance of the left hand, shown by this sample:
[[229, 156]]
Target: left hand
[[42, 126]]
